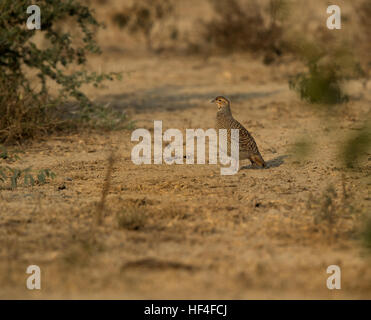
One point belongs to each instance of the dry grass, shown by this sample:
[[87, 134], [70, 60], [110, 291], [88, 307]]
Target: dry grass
[[244, 26], [131, 219], [25, 118], [22, 117], [143, 16], [106, 186]]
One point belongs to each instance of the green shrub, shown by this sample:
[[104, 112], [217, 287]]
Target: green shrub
[[328, 65], [320, 84], [26, 103]]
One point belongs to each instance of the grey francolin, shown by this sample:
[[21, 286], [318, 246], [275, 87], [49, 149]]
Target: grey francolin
[[224, 120]]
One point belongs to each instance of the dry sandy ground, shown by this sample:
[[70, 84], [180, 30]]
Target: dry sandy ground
[[256, 234]]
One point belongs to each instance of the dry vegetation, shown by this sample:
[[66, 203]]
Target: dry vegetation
[[248, 26], [106, 228]]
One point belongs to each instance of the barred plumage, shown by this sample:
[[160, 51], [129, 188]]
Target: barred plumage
[[247, 145]]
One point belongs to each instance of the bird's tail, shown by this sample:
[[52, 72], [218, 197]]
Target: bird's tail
[[258, 159]]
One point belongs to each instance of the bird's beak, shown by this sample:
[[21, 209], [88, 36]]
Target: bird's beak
[[212, 101]]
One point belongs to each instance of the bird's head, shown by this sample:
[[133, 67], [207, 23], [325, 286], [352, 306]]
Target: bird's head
[[221, 102]]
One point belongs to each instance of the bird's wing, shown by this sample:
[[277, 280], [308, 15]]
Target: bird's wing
[[247, 142]]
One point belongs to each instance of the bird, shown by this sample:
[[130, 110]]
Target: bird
[[247, 145]]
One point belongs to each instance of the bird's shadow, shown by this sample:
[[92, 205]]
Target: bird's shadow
[[273, 163]]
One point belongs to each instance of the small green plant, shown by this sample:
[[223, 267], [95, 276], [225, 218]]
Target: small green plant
[[131, 218], [107, 118], [29, 178], [14, 174]]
